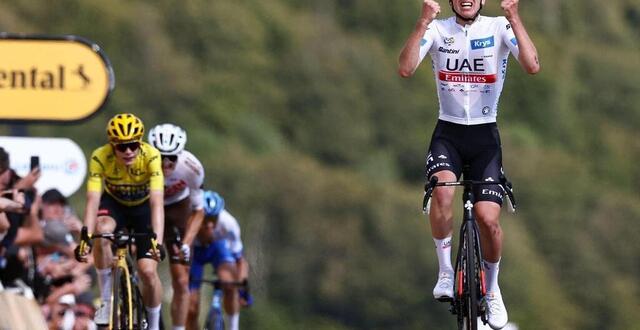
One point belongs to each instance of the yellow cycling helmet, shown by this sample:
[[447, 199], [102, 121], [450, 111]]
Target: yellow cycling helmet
[[125, 127]]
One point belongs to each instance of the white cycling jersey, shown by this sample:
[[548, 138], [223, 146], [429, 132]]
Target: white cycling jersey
[[186, 180], [470, 65], [227, 228]]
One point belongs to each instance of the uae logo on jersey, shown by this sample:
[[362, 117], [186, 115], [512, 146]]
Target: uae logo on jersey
[[485, 110]]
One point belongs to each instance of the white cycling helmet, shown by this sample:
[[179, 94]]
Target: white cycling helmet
[[169, 139]]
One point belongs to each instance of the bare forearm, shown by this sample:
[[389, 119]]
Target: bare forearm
[[31, 232], [157, 214], [91, 210], [528, 56], [410, 54], [193, 225]]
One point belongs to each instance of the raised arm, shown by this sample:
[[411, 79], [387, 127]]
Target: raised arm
[[528, 55], [410, 54]]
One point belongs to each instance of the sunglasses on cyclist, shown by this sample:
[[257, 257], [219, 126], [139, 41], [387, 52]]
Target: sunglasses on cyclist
[[122, 147], [171, 158]]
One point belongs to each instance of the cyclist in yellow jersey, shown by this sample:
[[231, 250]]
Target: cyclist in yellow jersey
[[130, 171]]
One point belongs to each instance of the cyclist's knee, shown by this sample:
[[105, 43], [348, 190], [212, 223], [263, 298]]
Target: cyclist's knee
[[105, 225], [443, 197], [488, 215], [180, 284], [148, 272]]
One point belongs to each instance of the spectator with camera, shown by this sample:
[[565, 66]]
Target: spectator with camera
[[19, 225]]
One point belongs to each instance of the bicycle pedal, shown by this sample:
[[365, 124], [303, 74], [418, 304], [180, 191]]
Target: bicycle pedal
[[444, 299]]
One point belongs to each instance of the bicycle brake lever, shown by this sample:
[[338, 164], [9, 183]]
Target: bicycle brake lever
[[428, 190], [508, 188]]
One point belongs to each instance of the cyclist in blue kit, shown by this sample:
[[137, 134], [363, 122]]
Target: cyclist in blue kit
[[218, 242], [469, 53]]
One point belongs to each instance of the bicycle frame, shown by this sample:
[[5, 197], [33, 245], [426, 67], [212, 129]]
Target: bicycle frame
[[469, 283], [124, 270]]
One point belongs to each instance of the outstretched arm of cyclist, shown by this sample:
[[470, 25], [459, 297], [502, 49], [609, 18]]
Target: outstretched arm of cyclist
[[193, 225], [196, 195], [528, 55], [416, 45], [90, 214], [156, 201], [91, 210]]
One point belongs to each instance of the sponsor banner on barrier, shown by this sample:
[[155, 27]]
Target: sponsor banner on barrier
[[61, 161], [46, 78]]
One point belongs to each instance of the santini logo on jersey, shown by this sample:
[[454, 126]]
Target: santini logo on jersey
[[448, 51], [482, 43]]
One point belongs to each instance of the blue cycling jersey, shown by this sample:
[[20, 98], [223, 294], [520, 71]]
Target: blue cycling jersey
[[215, 254]]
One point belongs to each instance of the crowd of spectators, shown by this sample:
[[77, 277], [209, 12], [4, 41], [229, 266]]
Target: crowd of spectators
[[38, 233]]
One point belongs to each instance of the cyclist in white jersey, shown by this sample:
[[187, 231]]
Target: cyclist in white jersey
[[469, 54], [184, 210]]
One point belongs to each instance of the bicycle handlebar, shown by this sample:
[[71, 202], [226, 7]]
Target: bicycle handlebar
[[505, 184], [218, 283], [118, 236]]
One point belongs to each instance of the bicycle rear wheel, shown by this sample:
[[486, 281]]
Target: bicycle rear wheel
[[122, 301]]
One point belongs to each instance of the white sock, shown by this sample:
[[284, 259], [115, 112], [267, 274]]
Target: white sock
[[153, 316], [443, 250], [232, 321], [492, 270], [177, 327], [104, 281]]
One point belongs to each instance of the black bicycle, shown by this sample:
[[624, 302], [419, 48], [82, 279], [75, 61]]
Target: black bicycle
[[468, 301]]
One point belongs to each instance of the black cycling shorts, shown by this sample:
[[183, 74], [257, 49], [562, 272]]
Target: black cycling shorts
[[478, 146], [134, 218]]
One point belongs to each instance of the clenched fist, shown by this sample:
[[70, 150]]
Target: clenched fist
[[510, 8], [430, 9]]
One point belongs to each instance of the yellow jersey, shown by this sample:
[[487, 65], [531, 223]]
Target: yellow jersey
[[129, 185]]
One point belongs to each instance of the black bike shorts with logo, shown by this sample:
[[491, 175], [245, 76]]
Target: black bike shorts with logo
[[134, 218], [478, 146]]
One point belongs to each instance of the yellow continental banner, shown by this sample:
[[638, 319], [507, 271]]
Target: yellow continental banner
[[52, 78]]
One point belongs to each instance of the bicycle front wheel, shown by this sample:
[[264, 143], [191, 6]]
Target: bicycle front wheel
[[214, 317], [122, 301], [471, 280]]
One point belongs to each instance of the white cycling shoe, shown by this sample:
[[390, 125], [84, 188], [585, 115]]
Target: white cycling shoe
[[444, 287], [496, 311], [102, 315]]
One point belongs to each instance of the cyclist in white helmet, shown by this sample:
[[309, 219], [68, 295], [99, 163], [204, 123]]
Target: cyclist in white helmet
[[184, 210], [469, 53]]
